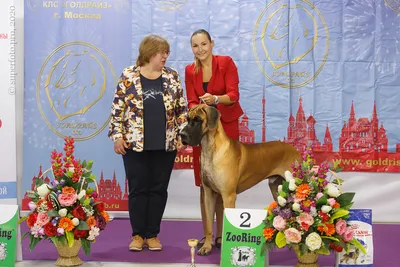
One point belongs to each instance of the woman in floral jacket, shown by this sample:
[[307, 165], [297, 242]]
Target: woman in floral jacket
[[148, 111]]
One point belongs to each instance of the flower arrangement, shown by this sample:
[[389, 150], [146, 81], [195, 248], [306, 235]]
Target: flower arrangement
[[66, 209], [311, 212]]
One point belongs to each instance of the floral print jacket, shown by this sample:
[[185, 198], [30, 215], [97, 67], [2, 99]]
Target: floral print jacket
[[127, 109]]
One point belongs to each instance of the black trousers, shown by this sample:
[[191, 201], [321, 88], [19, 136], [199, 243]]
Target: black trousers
[[148, 175]]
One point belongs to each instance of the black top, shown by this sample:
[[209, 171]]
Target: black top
[[205, 85], [154, 117]]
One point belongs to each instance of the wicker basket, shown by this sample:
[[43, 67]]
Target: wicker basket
[[308, 259], [68, 256]]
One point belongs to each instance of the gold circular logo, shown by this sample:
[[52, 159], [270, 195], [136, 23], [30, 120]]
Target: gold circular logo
[[290, 43], [70, 88], [169, 5], [33, 4], [393, 5]]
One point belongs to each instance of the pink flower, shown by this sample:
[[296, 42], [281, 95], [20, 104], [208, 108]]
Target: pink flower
[[292, 235], [279, 223], [67, 200], [42, 218], [305, 220], [32, 206], [341, 226], [331, 201], [319, 195], [315, 169], [348, 235]]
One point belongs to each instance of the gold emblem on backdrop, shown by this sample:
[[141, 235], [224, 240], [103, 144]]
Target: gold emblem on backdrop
[[284, 41], [393, 5], [33, 4], [70, 90], [169, 5]]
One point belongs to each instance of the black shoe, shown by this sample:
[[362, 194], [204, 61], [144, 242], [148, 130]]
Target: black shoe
[[218, 244]]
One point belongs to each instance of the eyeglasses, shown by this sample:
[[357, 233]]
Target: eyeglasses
[[164, 53]]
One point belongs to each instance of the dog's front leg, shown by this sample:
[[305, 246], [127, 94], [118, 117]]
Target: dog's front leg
[[274, 182], [229, 200], [209, 205]]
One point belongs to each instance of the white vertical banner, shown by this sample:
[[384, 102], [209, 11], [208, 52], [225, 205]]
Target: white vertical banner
[[8, 77]]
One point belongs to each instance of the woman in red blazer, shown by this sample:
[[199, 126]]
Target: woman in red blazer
[[213, 80]]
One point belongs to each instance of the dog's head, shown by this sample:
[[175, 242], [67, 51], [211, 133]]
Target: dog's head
[[201, 119]]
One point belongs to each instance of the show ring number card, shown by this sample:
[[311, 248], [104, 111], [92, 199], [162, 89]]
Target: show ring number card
[[242, 238], [8, 234]]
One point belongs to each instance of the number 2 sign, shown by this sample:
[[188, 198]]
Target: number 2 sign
[[242, 239]]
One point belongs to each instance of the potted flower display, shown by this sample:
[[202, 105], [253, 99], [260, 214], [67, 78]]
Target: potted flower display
[[311, 212], [66, 210]]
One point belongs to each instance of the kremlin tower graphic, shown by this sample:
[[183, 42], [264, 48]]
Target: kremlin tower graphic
[[301, 132], [362, 146]]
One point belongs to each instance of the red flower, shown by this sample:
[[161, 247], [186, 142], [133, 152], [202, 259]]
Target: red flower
[[32, 219], [324, 216], [100, 207], [336, 247], [79, 213], [50, 229], [80, 234], [305, 226], [49, 203]]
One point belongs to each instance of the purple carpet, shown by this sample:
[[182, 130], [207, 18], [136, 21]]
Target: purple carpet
[[112, 246]]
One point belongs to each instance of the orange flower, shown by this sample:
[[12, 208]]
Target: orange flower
[[40, 202], [328, 229], [66, 224], [105, 215], [272, 206], [268, 233], [336, 205], [91, 221], [302, 191], [68, 190]]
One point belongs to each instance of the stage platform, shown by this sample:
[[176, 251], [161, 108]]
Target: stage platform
[[112, 246]]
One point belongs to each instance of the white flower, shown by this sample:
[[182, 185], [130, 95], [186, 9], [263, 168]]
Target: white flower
[[292, 185], [81, 194], [333, 190], [279, 188], [94, 231], [313, 211], [281, 201], [313, 241], [3, 251], [62, 212], [43, 190], [326, 208], [88, 210], [75, 221], [71, 169], [296, 206], [288, 176], [35, 230]]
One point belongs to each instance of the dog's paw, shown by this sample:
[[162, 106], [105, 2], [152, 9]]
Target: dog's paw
[[204, 250]]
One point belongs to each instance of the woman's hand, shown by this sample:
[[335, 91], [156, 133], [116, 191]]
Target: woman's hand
[[180, 146], [207, 98], [120, 146]]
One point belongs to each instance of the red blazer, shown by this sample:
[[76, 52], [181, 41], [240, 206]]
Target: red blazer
[[224, 80]]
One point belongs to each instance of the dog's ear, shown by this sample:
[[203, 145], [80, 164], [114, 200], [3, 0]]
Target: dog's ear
[[212, 117]]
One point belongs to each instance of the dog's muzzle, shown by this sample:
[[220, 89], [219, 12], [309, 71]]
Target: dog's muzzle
[[184, 137]]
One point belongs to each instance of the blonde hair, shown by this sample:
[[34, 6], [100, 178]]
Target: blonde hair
[[197, 63], [149, 47]]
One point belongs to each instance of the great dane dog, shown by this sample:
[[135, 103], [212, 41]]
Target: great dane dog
[[229, 167]]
